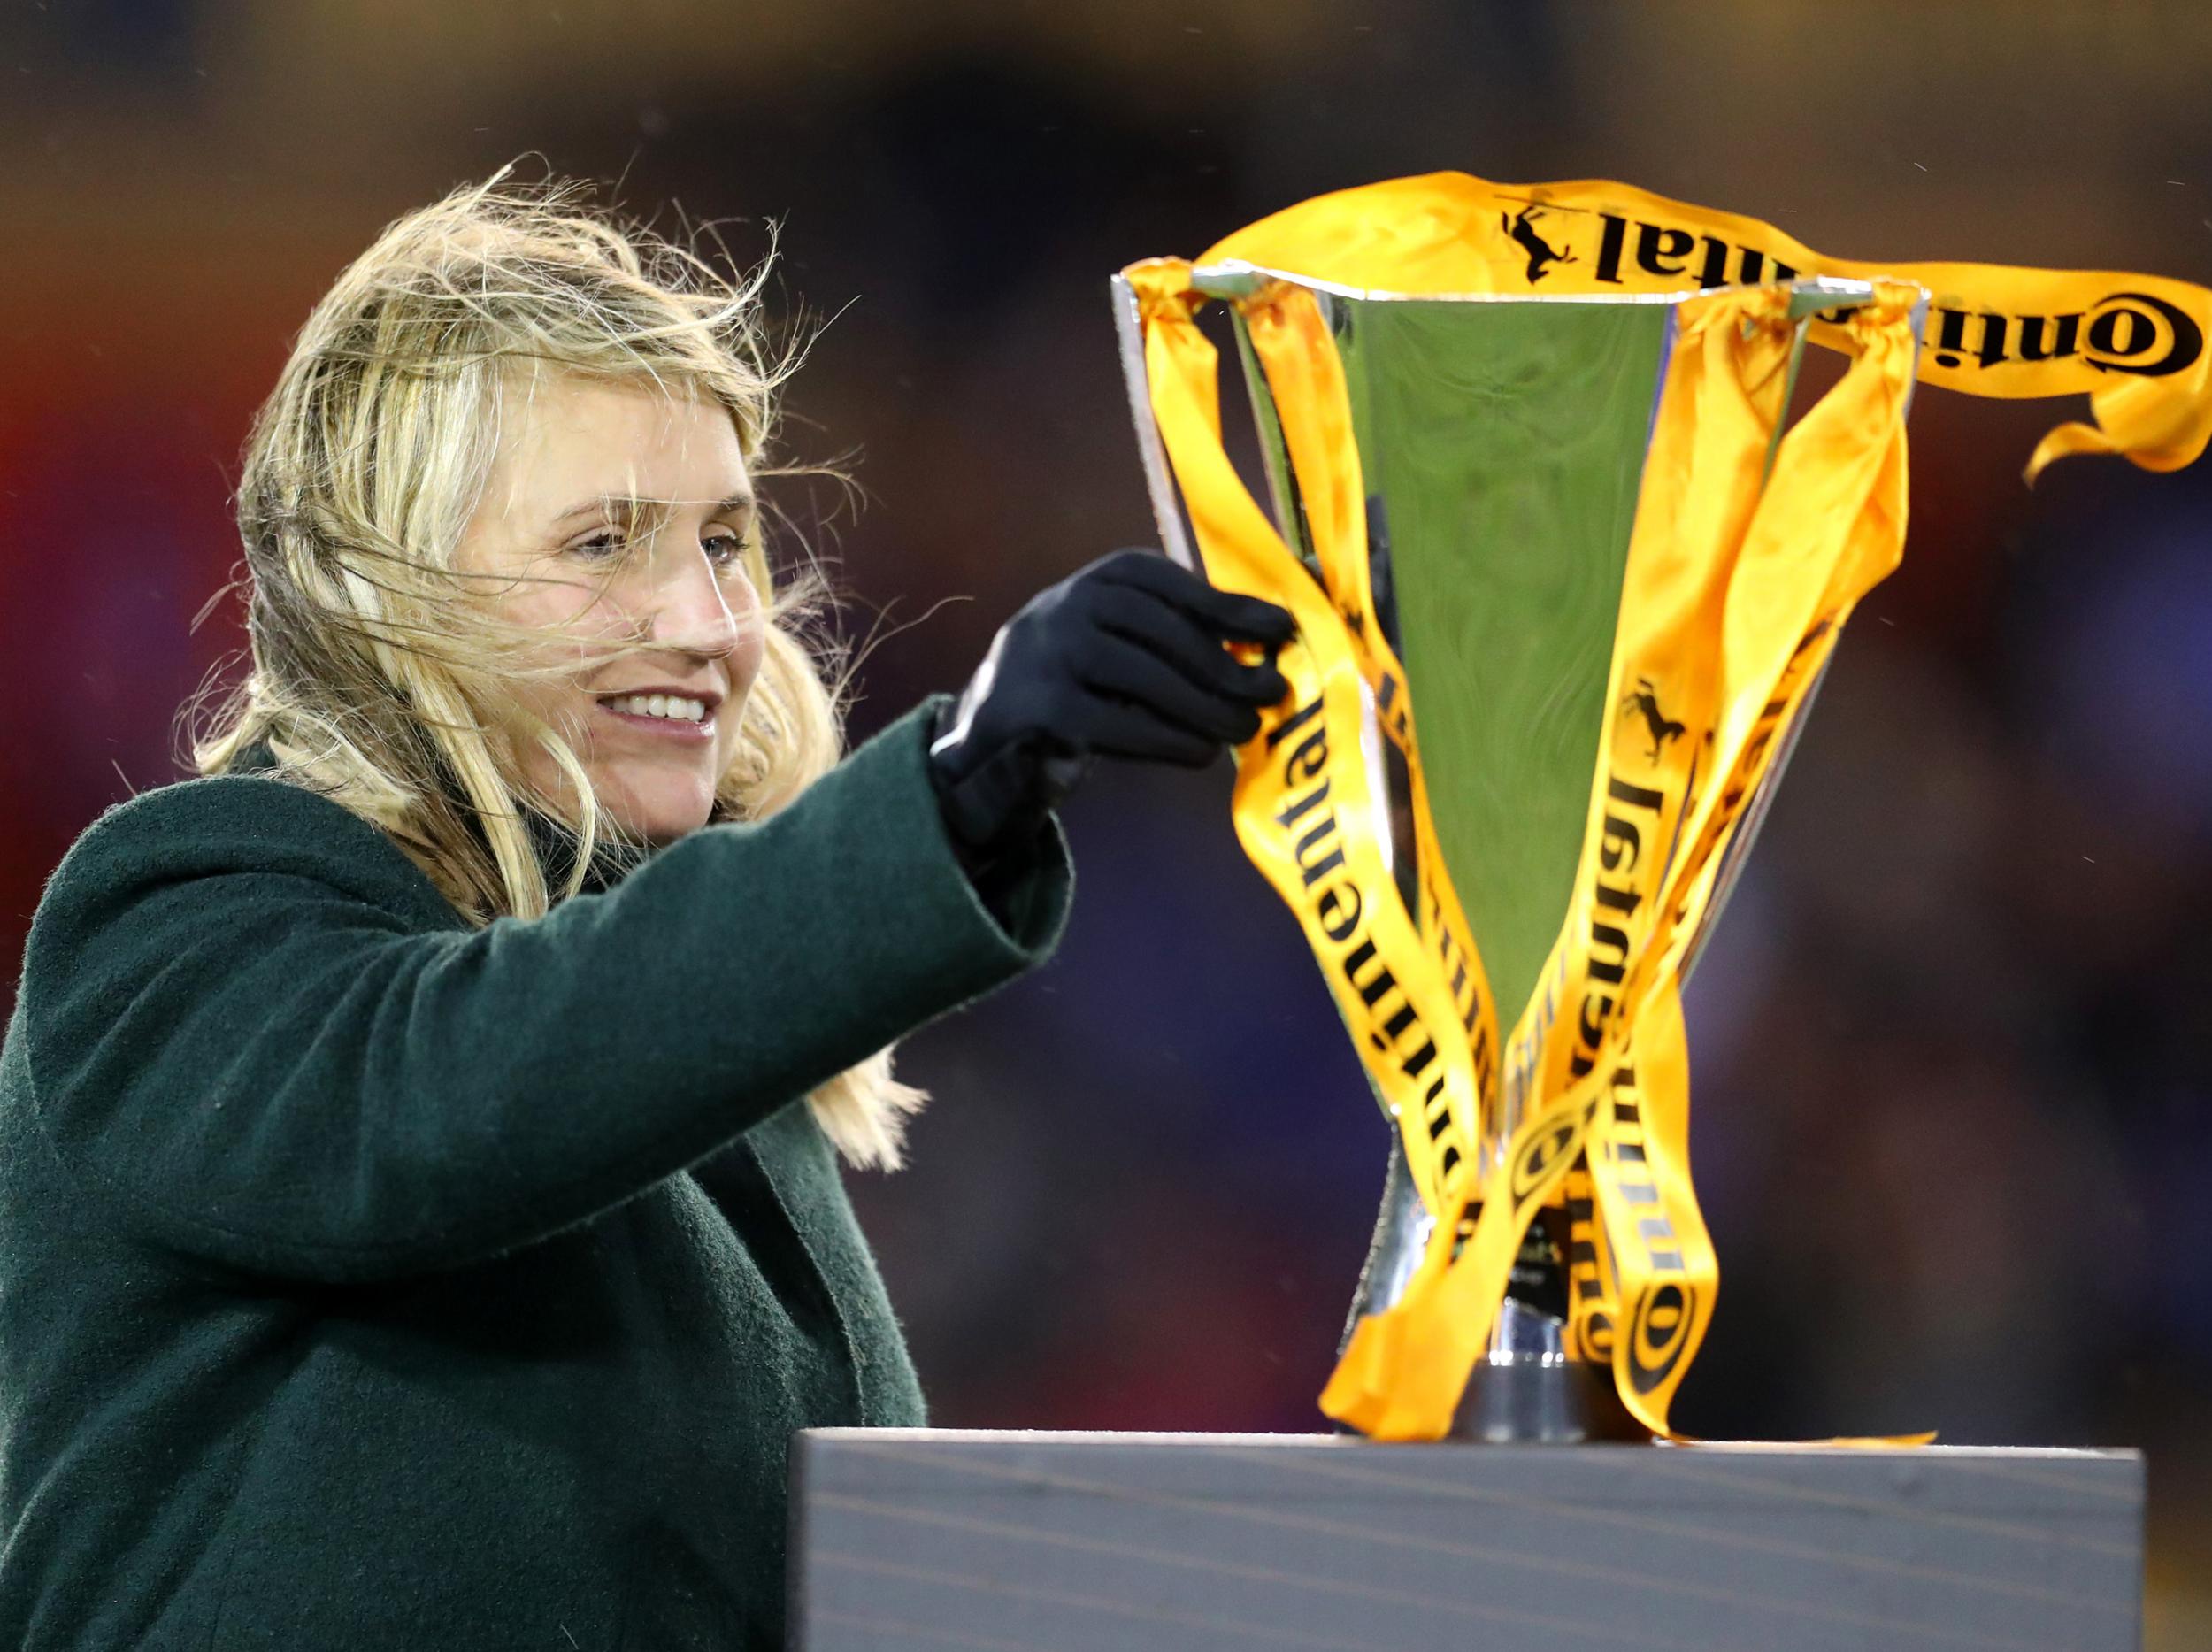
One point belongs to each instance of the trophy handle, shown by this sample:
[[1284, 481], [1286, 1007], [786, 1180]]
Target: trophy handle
[[1167, 511], [1401, 1233]]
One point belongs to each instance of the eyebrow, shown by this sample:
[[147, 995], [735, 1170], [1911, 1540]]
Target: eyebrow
[[736, 502]]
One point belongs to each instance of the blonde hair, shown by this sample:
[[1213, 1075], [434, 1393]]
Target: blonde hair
[[374, 679]]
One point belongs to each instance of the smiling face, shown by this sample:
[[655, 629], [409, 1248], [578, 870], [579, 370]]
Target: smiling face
[[628, 510]]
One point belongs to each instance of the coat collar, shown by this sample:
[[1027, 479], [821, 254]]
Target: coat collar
[[553, 844], [556, 848]]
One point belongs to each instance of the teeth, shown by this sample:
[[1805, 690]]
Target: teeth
[[666, 705]]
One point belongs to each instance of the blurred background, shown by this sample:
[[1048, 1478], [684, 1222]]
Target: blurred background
[[1951, 1124]]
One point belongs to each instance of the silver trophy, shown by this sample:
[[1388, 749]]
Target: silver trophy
[[1502, 443]]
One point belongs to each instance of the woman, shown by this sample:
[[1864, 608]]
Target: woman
[[411, 1232]]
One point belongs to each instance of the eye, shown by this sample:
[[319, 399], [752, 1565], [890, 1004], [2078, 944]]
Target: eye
[[598, 547], [724, 548]]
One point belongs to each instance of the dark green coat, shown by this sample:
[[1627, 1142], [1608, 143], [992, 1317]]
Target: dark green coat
[[367, 1281]]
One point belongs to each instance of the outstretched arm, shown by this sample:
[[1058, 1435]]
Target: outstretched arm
[[243, 1039]]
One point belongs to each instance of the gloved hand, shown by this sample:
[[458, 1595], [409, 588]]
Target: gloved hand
[[1123, 658]]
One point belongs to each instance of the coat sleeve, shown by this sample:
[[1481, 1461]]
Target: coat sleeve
[[240, 1038]]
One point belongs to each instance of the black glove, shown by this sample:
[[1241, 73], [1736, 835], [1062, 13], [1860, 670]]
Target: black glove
[[1123, 658]]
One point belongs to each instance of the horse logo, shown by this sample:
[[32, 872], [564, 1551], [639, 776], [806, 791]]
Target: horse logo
[[1541, 254], [1644, 699]]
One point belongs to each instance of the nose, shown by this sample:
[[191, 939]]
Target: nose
[[687, 605]]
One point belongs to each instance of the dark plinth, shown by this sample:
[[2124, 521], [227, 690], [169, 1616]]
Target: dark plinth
[[1083, 1542]]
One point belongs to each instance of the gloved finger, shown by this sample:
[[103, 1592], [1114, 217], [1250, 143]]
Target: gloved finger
[[1120, 666], [1123, 729], [1177, 637], [1063, 772], [1224, 612]]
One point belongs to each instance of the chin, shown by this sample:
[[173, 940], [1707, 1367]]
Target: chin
[[659, 809]]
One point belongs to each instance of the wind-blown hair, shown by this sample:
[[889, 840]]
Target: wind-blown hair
[[377, 677]]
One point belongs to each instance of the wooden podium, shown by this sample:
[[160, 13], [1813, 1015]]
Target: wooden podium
[[1082, 1542]]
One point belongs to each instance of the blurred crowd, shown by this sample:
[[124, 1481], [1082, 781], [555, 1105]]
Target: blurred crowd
[[1951, 1130]]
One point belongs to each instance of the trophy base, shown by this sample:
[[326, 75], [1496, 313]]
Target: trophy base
[[1525, 1390], [1535, 1400]]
